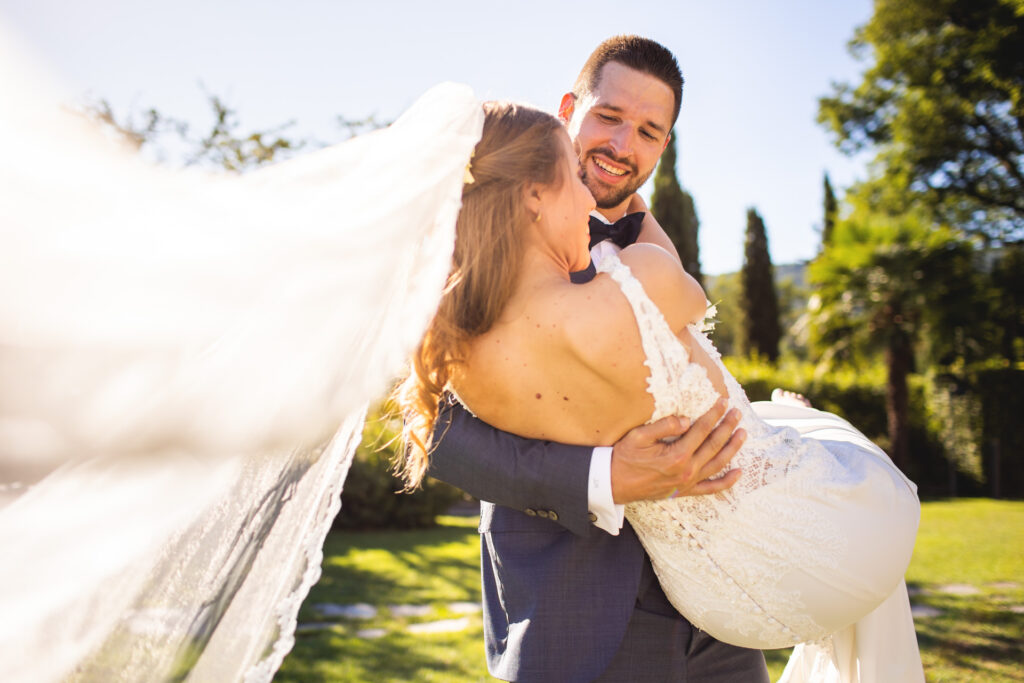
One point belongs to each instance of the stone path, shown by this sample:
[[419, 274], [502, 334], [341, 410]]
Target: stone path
[[958, 589], [363, 611]]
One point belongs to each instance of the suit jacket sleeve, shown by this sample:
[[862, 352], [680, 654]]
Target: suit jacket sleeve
[[541, 478]]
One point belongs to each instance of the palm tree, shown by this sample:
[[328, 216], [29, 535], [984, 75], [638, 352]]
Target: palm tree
[[888, 284]]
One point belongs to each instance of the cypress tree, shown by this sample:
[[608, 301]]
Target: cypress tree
[[829, 222], [673, 207], [759, 300]]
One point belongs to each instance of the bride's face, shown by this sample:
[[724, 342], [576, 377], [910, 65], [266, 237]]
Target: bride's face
[[565, 211]]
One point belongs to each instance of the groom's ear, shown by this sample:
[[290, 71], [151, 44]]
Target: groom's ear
[[567, 107]]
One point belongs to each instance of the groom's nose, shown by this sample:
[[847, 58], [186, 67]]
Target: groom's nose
[[621, 141]]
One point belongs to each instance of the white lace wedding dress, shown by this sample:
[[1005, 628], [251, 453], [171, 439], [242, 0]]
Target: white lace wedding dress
[[809, 547]]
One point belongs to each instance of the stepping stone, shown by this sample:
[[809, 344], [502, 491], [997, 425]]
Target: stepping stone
[[1017, 609], [410, 610], [371, 633], [1003, 585], [959, 589], [465, 607], [924, 611], [360, 610], [443, 626], [315, 626]]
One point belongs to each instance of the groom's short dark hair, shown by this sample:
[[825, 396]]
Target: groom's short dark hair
[[636, 52]]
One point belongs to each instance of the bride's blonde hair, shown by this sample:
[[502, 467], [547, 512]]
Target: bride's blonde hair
[[519, 145]]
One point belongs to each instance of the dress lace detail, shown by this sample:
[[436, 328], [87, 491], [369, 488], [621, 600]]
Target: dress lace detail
[[750, 565]]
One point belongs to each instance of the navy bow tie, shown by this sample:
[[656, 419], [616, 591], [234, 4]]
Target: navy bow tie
[[623, 232]]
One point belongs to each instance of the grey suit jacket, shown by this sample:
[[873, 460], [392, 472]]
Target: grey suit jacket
[[558, 592]]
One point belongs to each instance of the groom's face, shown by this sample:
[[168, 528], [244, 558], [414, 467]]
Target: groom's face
[[620, 131]]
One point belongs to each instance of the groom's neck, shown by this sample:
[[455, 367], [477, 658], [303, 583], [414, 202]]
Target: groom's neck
[[614, 213]]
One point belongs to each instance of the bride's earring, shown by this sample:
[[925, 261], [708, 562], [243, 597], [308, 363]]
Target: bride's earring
[[537, 219]]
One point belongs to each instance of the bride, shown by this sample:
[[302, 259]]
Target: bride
[[810, 542]]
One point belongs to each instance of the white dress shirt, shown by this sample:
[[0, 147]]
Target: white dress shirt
[[605, 514]]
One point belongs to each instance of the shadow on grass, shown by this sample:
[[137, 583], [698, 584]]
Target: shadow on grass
[[441, 564], [973, 633], [327, 657]]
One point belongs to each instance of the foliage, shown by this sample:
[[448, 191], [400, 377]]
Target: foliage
[[675, 211], [883, 285], [990, 393], [223, 147], [943, 106], [964, 433], [373, 497], [829, 213], [759, 299], [855, 394], [1005, 315], [955, 416], [975, 640]]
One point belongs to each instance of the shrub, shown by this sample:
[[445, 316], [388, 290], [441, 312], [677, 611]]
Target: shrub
[[373, 496], [964, 433]]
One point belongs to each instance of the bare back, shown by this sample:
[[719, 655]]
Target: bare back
[[565, 362]]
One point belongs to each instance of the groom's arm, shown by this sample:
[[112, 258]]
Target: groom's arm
[[527, 474], [509, 470]]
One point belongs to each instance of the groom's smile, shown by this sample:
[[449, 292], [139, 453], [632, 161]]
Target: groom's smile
[[602, 164]]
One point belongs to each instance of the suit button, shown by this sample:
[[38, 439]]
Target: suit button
[[552, 515], [592, 517], [542, 513], [531, 512]]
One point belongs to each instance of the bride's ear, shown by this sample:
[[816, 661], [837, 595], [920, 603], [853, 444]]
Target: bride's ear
[[532, 199]]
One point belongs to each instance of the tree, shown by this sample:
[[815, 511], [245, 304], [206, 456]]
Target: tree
[[830, 212], [900, 286], [943, 105], [223, 147], [673, 206], [724, 292], [760, 302]]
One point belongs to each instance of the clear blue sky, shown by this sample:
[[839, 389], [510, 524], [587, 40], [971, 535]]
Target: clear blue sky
[[746, 134]]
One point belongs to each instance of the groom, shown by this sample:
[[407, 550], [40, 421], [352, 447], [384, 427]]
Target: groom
[[569, 593]]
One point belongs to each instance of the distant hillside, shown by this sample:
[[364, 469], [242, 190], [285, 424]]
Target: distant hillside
[[724, 291], [794, 272]]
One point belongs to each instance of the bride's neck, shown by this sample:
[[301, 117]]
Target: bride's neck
[[539, 271]]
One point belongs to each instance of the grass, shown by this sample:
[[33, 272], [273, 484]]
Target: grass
[[975, 639]]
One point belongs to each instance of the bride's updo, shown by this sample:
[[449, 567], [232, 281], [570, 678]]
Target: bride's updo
[[519, 145]]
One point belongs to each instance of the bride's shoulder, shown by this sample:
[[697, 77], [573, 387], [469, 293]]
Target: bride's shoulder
[[674, 291]]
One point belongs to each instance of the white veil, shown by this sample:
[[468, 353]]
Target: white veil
[[185, 359]]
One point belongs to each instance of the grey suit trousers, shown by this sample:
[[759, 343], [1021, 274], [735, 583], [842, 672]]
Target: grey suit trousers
[[662, 646]]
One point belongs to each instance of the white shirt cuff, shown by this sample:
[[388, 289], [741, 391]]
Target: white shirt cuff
[[604, 513]]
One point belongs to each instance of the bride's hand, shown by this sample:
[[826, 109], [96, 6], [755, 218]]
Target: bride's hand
[[644, 467]]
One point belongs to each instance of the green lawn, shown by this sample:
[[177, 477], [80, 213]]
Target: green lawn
[[963, 546]]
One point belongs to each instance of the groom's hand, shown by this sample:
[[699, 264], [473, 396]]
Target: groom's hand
[[644, 467]]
